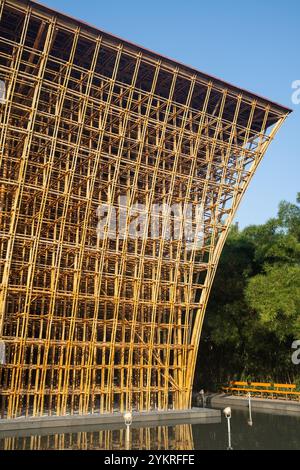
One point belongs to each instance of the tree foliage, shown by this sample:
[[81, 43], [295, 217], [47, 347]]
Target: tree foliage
[[253, 314]]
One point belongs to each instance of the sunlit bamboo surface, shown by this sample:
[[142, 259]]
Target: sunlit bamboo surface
[[93, 321]]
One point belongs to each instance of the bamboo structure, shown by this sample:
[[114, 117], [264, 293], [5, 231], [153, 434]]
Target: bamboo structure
[[93, 319]]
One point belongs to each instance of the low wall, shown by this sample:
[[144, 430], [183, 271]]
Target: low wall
[[196, 415]]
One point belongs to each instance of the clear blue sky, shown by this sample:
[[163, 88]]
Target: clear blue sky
[[253, 44]]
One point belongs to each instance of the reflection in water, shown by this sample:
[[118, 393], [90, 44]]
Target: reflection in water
[[156, 438], [268, 431]]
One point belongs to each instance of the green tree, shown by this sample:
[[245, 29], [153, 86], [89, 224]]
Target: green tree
[[275, 296], [254, 311]]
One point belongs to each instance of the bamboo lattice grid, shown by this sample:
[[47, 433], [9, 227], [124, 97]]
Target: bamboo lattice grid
[[90, 321]]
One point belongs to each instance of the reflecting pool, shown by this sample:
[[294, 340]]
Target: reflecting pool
[[268, 431]]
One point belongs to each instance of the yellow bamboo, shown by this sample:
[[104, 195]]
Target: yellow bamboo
[[93, 319]]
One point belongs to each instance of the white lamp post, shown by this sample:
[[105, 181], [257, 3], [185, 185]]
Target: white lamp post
[[250, 422], [128, 423], [202, 395], [227, 413]]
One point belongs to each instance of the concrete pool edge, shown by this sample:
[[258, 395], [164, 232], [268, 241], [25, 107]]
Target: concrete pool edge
[[258, 404], [200, 415]]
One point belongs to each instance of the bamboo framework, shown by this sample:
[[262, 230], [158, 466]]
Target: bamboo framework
[[94, 320]]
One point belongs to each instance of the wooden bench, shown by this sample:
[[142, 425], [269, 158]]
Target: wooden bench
[[263, 389]]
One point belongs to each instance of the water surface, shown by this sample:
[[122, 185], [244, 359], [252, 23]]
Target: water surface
[[269, 431]]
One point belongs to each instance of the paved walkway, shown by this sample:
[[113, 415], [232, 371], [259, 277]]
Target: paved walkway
[[258, 404]]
